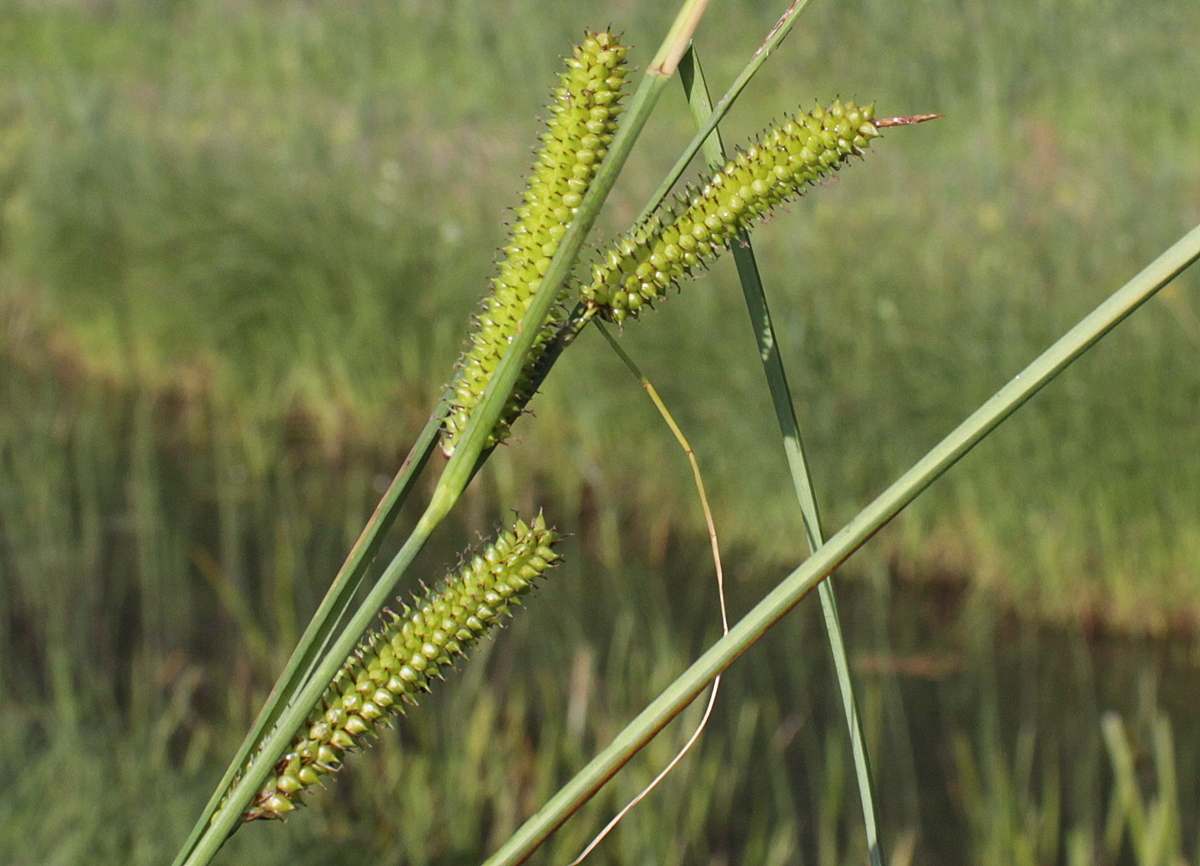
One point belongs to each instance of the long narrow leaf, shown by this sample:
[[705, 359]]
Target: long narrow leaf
[[838, 549], [328, 613], [692, 76], [781, 29], [464, 462]]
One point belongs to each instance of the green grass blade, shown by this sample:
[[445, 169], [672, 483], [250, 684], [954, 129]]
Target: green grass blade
[[1166, 804], [841, 546], [462, 462], [781, 29], [469, 451], [327, 615], [691, 75], [1128, 810]]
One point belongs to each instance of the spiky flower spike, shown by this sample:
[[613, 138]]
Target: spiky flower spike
[[584, 113], [675, 241], [392, 665]]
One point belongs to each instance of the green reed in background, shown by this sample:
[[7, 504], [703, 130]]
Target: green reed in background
[[883, 330], [254, 176], [483, 405]]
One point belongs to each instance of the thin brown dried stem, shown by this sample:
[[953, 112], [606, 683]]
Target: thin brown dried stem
[[905, 121], [716, 554]]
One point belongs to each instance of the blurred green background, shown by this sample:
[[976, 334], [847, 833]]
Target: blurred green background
[[239, 246]]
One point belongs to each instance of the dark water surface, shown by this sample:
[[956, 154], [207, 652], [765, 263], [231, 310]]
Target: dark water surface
[[994, 738], [1003, 721]]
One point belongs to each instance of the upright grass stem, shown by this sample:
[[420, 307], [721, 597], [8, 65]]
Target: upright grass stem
[[329, 612], [584, 111], [839, 548], [781, 29], [691, 75], [207, 838]]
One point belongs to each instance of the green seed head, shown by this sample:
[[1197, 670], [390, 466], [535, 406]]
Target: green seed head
[[393, 664], [584, 111], [676, 240]]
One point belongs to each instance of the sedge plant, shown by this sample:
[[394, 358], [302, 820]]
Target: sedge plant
[[329, 640], [338, 685]]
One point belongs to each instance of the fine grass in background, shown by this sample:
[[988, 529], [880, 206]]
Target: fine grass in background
[[293, 208], [239, 244]]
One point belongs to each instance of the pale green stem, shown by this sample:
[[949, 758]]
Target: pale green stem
[[793, 446], [327, 615], [462, 464], [838, 549], [678, 38], [781, 29]]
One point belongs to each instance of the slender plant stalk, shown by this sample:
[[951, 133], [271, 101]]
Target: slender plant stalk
[[678, 38], [206, 841], [582, 314], [395, 663], [781, 29], [691, 75], [841, 546], [330, 611], [720, 573]]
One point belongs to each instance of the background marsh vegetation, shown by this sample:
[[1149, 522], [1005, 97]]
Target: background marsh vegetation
[[239, 243]]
